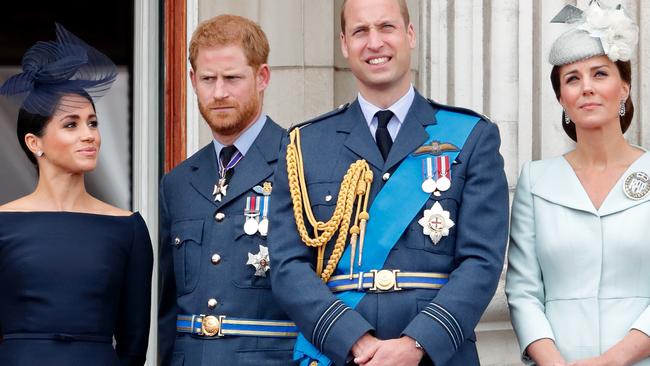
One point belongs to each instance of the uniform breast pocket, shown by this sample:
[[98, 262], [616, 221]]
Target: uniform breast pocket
[[252, 263], [186, 237], [323, 197], [434, 229]]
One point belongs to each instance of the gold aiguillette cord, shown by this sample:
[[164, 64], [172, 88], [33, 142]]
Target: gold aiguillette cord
[[355, 184]]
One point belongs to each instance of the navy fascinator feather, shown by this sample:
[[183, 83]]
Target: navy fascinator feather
[[54, 68]]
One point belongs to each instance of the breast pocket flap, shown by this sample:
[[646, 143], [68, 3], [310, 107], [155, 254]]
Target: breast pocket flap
[[187, 231]]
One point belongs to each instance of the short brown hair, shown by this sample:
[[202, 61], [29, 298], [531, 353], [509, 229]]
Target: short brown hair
[[227, 30], [625, 69], [403, 8]]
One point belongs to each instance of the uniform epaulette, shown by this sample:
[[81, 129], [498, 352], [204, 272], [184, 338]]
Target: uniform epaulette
[[457, 109], [342, 108]]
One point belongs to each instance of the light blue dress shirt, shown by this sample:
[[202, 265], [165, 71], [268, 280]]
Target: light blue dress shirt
[[246, 139], [399, 109]]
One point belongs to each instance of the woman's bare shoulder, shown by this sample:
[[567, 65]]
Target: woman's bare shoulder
[[21, 204], [108, 209]]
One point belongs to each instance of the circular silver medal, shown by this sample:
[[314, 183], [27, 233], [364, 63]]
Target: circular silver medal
[[429, 185], [443, 184], [263, 227], [637, 185], [250, 226]]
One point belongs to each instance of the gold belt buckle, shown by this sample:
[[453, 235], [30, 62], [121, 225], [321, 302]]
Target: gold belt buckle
[[385, 280], [211, 325]]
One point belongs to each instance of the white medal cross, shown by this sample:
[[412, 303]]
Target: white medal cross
[[220, 190], [260, 261], [436, 223]]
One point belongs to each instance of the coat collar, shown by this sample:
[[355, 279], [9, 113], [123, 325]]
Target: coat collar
[[411, 135], [251, 170], [559, 184]]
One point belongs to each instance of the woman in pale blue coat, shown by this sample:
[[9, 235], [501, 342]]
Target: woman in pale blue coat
[[578, 281]]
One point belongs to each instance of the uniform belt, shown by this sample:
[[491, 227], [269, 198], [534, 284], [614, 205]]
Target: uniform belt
[[387, 280], [63, 337], [222, 326]]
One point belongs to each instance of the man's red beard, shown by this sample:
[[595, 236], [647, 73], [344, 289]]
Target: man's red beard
[[233, 121]]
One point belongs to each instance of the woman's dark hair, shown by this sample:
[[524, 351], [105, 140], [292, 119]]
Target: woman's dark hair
[[30, 123], [35, 124], [625, 69]]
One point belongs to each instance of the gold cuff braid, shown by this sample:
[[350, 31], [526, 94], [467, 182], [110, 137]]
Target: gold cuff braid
[[355, 185]]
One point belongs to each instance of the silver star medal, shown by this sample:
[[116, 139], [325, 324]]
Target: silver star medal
[[436, 223], [260, 261], [220, 190]]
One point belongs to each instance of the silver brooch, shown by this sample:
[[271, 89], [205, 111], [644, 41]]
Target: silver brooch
[[636, 185]]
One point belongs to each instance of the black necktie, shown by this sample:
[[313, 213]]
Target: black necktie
[[384, 141], [225, 155]]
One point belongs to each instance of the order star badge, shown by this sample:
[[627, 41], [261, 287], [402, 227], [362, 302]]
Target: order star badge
[[436, 223], [260, 261]]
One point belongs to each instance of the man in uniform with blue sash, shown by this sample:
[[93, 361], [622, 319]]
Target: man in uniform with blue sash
[[389, 220], [216, 306]]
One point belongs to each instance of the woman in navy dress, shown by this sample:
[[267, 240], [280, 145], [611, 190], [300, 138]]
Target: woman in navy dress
[[75, 272]]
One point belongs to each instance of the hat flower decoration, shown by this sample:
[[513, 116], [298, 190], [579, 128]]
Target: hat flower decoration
[[617, 33], [603, 28]]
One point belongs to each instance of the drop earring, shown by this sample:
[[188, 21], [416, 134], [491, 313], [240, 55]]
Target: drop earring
[[39, 153], [621, 109], [566, 118]]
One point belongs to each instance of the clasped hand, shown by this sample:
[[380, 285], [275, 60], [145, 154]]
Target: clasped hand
[[370, 351]]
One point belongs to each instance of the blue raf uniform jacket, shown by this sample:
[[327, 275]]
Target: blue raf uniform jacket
[[442, 321], [189, 276]]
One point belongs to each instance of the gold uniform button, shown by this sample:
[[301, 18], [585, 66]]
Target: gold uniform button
[[385, 177], [212, 303], [216, 258], [220, 216]]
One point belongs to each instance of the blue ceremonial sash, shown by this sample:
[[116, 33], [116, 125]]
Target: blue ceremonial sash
[[384, 228]]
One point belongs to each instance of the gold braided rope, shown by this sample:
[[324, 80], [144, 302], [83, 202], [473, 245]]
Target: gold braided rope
[[355, 185]]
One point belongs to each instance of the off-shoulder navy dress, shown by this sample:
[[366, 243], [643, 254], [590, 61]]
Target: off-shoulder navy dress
[[69, 284]]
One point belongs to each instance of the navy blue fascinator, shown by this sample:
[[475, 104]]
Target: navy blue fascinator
[[55, 68]]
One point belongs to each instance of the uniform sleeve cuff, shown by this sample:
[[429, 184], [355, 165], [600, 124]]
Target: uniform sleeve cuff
[[340, 335], [435, 335], [529, 325], [643, 322]]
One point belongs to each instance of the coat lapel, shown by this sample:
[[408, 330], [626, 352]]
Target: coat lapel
[[412, 134], [616, 200], [205, 170], [359, 139], [559, 184], [256, 164]]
